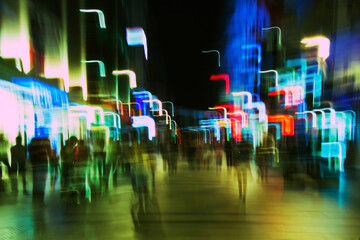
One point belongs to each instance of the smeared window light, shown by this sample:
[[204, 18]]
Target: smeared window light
[[145, 121], [249, 99], [334, 149], [224, 77], [287, 122], [136, 36], [322, 42], [116, 119], [159, 104], [314, 117]]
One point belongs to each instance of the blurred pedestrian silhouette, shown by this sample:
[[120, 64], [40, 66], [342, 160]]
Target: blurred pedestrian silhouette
[[54, 168], [67, 161], [228, 147], [18, 164], [4, 153], [218, 156], [81, 165], [39, 153], [99, 153], [242, 156]]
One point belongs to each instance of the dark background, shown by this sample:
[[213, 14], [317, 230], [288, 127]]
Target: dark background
[[177, 33]]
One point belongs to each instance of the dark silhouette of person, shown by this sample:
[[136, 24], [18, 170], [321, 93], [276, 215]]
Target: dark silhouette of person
[[82, 157], [219, 155], [18, 164], [100, 157], [228, 147], [54, 168], [39, 153], [242, 156], [67, 161], [4, 153]]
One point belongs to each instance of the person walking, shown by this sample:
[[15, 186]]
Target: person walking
[[228, 147], [242, 155], [39, 154], [54, 168], [4, 153], [18, 162], [67, 161]]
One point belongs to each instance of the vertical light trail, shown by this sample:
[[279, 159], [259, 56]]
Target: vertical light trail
[[244, 29]]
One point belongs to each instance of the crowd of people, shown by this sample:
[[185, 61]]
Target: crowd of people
[[90, 164]]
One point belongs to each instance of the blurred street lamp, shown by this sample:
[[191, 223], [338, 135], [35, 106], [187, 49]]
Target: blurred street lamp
[[131, 74], [132, 80], [160, 108], [172, 107], [220, 108], [276, 28], [272, 71], [136, 36], [322, 42], [101, 66], [218, 53], [100, 14]]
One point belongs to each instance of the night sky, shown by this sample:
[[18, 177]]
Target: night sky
[[177, 33]]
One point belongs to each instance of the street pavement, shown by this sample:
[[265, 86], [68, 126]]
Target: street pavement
[[193, 204]]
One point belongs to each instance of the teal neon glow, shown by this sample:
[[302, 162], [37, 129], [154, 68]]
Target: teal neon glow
[[101, 66], [145, 121], [342, 126], [299, 62], [116, 119], [323, 123], [100, 15], [218, 54], [315, 79], [353, 125], [212, 123], [334, 149]]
